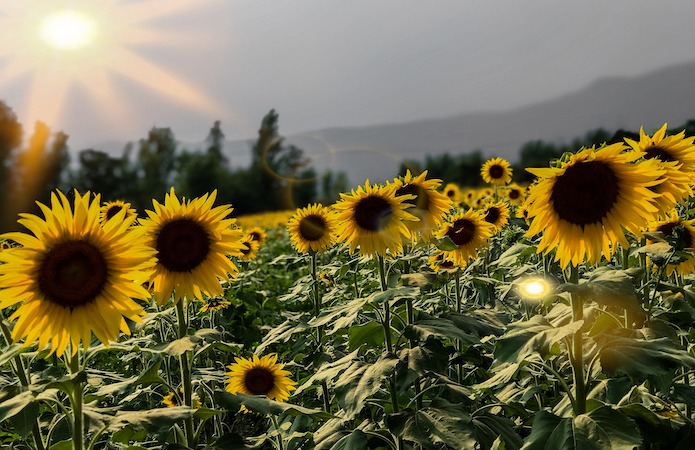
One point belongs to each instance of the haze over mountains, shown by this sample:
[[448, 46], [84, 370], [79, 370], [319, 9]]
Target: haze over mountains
[[374, 152]]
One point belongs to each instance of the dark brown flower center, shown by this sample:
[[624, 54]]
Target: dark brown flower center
[[259, 381], [514, 194], [681, 233], [112, 211], [182, 245], [421, 200], [73, 274], [660, 153], [255, 236], [246, 249], [372, 213], [492, 214], [462, 231], [496, 171], [312, 227], [585, 193]]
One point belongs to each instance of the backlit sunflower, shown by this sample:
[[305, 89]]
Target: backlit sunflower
[[582, 206], [258, 234], [515, 194], [215, 304], [110, 209], [469, 231], [260, 376], [193, 241], [683, 233], [312, 229], [496, 214], [496, 171], [429, 205], [72, 276], [249, 249], [676, 155], [371, 218], [453, 191]]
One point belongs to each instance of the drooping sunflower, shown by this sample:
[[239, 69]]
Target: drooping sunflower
[[249, 249], [312, 229], [683, 232], [496, 214], [173, 399], [110, 209], [193, 241], [469, 231], [496, 171], [258, 234], [438, 263], [215, 304], [453, 191], [372, 217], [429, 205], [260, 376], [582, 206], [73, 276], [676, 155], [515, 194]]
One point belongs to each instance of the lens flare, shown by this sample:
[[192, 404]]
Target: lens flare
[[67, 30], [534, 288]]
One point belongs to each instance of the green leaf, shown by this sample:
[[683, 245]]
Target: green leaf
[[14, 402], [329, 371], [174, 348], [283, 333], [602, 428], [62, 445], [441, 423], [361, 380], [445, 244], [441, 328], [357, 440], [12, 351], [370, 333], [230, 441], [24, 421], [156, 421], [233, 402], [638, 358], [612, 287], [527, 337], [491, 428]]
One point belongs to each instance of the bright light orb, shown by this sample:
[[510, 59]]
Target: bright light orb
[[67, 30], [534, 288]]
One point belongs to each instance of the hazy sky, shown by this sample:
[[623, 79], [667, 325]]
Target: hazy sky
[[320, 63]]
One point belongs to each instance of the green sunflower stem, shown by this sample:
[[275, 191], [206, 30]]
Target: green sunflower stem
[[577, 359], [185, 370], [319, 330], [457, 284], [76, 399], [280, 444]]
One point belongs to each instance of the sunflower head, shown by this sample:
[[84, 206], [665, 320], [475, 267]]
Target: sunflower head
[[111, 209], [680, 234], [583, 205], [515, 194], [438, 262], [453, 192], [469, 231], [428, 204], [312, 229], [215, 304], [260, 376], [496, 171], [173, 399], [193, 242], [258, 234], [496, 213], [372, 217], [72, 276], [249, 249]]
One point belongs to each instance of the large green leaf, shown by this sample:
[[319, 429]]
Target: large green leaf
[[329, 371], [441, 328], [639, 358], [156, 421], [357, 440], [527, 337], [284, 332], [14, 401], [233, 402], [600, 429], [370, 334], [441, 423], [360, 380]]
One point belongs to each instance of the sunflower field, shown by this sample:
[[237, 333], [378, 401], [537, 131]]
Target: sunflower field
[[415, 314]]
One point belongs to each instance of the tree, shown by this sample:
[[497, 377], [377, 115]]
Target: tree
[[155, 165]]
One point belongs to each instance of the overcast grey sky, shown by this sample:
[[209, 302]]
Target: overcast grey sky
[[324, 63]]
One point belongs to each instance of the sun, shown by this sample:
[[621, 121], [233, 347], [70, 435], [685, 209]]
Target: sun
[[67, 30]]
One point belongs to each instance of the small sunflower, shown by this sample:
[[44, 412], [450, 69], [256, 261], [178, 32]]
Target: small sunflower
[[582, 206], [215, 304], [371, 218], [676, 155], [469, 231], [110, 209], [258, 234], [683, 233], [429, 205], [496, 214], [515, 194], [73, 276], [249, 249], [453, 191], [260, 376], [193, 241], [496, 171], [439, 263], [312, 229], [172, 399]]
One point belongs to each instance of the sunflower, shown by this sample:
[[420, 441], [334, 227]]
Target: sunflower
[[515, 194], [258, 234], [110, 209], [453, 191], [260, 376], [372, 218], [172, 399], [469, 231], [312, 229], [676, 155], [683, 234], [496, 171], [582, 206], [429, 205], [439, 263], [249, 249], [73, 276], [215, 304], [193, 241], [496, 214]]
